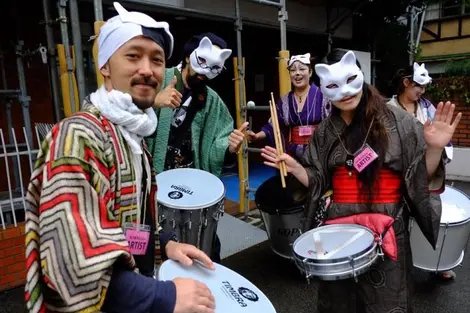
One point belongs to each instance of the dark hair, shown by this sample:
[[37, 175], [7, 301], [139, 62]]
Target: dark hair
[[397, 80], [372, 107]]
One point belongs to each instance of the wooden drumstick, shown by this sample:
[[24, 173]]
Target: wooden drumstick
[[283, 166], [276, 140]]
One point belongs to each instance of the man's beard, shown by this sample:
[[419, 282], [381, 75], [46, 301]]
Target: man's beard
[[143, 104], [195, 83]]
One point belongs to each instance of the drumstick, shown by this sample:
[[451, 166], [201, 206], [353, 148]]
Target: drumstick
[[276, 140], [278, 132]]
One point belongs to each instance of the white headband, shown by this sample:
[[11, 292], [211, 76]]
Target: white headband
[[121, 28], [420, 74], [303, 58], [338, 75]]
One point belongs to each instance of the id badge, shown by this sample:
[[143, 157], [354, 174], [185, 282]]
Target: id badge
[[364, 158], [137, 237], [305, 131]]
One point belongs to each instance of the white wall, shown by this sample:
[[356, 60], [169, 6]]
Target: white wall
[[458, 169]]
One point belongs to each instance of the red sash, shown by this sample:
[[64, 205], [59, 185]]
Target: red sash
[[347, 187]]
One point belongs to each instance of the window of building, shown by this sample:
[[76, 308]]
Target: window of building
[[451, 8], [454, 7]]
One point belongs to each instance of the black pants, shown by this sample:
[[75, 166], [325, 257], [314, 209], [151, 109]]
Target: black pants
[[215, 257]]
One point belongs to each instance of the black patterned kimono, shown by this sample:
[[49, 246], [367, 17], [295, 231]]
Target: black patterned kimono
[[385, 287]]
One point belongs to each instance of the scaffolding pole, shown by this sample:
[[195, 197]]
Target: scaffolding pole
[[240, 95], [77, 44], [51, 52], [8, 105], [23, 97], [62, 5]]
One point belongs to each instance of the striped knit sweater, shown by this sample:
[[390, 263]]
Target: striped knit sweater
[[82, 190]]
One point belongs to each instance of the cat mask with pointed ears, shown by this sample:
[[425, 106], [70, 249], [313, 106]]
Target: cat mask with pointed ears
[[341, 79], [207, 59], [420, 74]]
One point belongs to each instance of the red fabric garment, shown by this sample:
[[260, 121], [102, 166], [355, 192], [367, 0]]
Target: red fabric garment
[[377, 223], [295, 137], [347, 187]]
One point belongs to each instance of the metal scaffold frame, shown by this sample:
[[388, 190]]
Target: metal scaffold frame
[[240, 96]]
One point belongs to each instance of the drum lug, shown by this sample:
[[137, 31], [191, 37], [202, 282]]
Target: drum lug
[[351, 262], [189, 222], [173, 223], [381, 252]]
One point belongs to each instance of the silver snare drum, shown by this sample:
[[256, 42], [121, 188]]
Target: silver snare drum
[[336, 252], [190, 203], [454, 233]]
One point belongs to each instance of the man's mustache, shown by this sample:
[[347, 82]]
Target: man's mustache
[[144, 81]]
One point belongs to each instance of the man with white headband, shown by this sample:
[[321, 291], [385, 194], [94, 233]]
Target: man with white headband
[[93, 237], [195, 128]]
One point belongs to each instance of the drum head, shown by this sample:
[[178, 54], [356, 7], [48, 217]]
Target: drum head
[[188, 188], [271, 198], [455, 206], [232, 292], [338, 242]]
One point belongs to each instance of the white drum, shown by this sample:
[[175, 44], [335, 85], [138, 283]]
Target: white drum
[[336, 252], [232, 292], [190, 203], [453, 235]]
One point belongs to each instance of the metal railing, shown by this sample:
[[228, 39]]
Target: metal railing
[[13, 199]]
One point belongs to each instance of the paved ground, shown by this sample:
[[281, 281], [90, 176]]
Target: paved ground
[[289, 293]]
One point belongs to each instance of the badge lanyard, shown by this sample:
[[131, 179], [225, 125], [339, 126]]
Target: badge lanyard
[[363, 157], [138, 234]]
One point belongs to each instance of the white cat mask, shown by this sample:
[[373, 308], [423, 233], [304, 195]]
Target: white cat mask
[[207, 59], [336, 77], [420, 74], [303, 58]]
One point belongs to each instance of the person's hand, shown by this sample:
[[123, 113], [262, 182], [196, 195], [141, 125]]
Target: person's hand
[[273, 160], [236, 138], [251, 136], [193, 297], [439, 132], [168, 97], [185, 254]]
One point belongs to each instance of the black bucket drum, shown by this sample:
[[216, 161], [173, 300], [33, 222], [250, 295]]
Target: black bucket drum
[[281, 215]]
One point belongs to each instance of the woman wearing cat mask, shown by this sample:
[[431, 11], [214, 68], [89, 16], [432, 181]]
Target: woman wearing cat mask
[[407, 164], [410, 84], [298, 111]]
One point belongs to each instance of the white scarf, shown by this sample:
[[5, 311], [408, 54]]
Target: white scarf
[[133, 123]]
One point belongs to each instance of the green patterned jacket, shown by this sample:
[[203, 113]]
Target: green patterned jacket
[[209, 130]]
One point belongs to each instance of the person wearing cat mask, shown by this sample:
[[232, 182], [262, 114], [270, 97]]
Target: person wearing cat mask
[[195, 128], [411, 83]]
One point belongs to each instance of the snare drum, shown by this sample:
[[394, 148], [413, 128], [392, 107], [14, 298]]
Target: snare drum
[[190, 203], [453, 235], [281, 216], [232, 292], [336, 252]]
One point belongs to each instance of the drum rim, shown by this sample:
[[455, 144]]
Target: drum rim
[[310, 260], [253, 286], [459, 223], [194, 207], [294, 209], [197, 206]]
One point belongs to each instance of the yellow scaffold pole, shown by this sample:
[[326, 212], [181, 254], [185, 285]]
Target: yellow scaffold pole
[[65, 75], [284, 77], [99, 77], [242, 157]]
